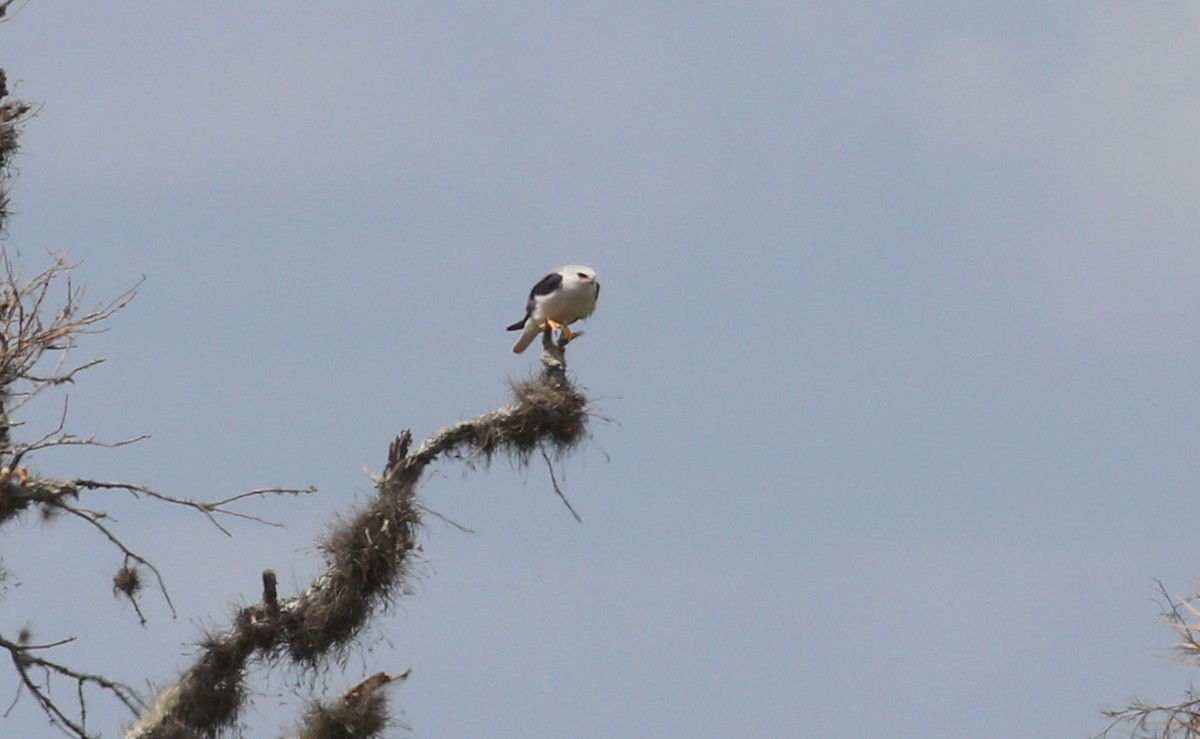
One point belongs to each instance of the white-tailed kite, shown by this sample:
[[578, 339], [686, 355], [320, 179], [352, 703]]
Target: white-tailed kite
[[561, 298]]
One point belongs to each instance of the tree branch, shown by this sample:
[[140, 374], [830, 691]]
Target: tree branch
[[367, 557], [4, 11], [25, 662], [208, 508], [362, 712], [1142, 720]]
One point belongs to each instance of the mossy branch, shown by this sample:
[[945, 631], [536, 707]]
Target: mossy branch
[[367, 558], [362, 713]]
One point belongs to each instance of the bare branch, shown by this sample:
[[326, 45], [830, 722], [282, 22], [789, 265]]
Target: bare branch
[[29, 333], [57, 437], [62, 496], [25, 662], [94, 519], [444, 519], [209, 508], [1142, 720], [557, 489]]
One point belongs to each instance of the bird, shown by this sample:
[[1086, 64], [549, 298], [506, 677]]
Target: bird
[[561, 298]]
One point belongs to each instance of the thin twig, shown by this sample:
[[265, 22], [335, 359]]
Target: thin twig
[[23, 660], [129, 553], [554, 482], [205, 507], [445, 519]]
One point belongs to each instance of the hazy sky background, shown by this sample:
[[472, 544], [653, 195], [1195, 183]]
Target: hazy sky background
[[897, 338]]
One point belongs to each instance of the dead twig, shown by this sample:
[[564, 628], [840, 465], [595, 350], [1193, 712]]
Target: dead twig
[[209, 508], [558, 491], [25, 662], [94, 519], [1142, 720]]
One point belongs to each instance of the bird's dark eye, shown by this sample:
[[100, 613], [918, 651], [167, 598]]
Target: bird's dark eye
[[582, 275]]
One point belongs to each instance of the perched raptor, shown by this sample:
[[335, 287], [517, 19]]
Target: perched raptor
[[561, 298]]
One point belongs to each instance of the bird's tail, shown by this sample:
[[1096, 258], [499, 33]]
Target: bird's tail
[[532, 329]]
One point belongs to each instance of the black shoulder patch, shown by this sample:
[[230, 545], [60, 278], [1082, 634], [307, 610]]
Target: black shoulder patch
[[548, 284]]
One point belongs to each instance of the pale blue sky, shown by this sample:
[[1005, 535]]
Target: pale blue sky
[[897, 337]]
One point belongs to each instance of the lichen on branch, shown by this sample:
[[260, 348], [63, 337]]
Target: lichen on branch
[[368, 556]]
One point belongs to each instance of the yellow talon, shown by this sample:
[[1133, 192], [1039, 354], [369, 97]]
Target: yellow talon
[[565, 334]]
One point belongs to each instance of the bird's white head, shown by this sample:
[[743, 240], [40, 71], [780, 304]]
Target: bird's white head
[[577, 273]]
